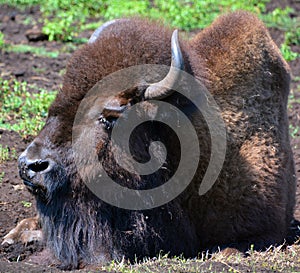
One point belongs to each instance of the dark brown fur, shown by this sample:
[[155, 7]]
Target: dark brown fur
[[253, 198]]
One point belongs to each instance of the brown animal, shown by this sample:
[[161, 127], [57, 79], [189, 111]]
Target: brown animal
[[253, 198]]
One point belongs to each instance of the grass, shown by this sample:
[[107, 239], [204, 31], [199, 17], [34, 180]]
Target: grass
[[185, 15], [26, 204], [36, 51], [23, 111], [294, 131], [7, 153], [63, 19], [275, 259], [23, 48], [2, 174], [287, 53], [281, 19], [4, 154], [293, 103], [39, 70], [2, 42]]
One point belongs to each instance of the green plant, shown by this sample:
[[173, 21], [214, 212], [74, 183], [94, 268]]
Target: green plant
[[296, 79], [278, 18], [281, 19], [26, 204], [294, 131], [60, 28], [183, 14], [23, 111], [37, 51], [20, 3], [29, 20], [1, 176], [39, 70], [287, 53], [7, 153], [2, 42], [62, 18], [4, 153], [116, 9]]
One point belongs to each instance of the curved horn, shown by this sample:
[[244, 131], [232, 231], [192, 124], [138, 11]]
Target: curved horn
[[100, 29], [163, 89]]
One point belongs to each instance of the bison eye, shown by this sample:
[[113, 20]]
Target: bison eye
[[108, 122]]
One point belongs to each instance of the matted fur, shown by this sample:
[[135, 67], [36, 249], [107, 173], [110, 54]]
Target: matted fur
[[253, 198]]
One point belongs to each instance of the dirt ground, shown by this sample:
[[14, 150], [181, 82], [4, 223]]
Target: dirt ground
[[47, 73]]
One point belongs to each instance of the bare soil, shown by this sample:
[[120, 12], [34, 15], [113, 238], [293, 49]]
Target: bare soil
[[47, 73]]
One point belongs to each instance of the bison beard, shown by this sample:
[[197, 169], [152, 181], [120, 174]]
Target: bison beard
[[253, 198]]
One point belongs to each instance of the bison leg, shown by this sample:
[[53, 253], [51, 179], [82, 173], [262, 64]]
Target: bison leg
[[26, 231]]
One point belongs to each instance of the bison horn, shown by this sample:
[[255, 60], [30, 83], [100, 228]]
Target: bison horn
[[163, 89], [100, 29]]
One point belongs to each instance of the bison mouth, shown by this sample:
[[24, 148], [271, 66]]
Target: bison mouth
[[29, 184], [35, 189]]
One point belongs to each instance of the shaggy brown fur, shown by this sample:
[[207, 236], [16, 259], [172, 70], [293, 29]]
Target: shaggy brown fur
[[253, 198], [249, 79]]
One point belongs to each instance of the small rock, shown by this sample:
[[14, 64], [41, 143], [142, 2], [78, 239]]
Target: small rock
[[19, 187], [16, 31], [13, 15], [19, 73], [35, 34]]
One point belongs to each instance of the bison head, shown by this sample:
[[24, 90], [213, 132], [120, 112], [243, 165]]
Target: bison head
[[48, 157]]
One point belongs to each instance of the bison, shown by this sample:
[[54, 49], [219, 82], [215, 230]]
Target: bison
[[252, 200]]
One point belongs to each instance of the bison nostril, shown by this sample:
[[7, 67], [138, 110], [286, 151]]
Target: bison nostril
[[38, 166]]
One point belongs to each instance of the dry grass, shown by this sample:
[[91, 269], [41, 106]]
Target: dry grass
[[275, 259]]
